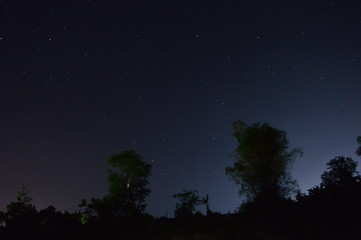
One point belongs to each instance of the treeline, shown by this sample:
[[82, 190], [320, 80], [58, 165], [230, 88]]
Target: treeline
[[274, 207]]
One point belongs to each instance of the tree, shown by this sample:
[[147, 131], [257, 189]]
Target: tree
[[19, 212], [128, 184], [341, 172], [263, 162], [358, 151], [100, 210], [51, 219], [336, 201], [205, 201], [187, 201]]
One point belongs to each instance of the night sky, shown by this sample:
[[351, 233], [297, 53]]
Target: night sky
[[83, 80]]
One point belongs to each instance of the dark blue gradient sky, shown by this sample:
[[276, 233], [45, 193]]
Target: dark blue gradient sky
[[82, 80]]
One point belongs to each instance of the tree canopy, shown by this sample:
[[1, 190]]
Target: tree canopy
[[358, 151], [187, 201], [263, 161], [341, 171], [128, 183], [19, 211]]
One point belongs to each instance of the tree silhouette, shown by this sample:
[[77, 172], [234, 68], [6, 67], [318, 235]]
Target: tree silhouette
[[262, 162], [205, 201], [187, 201], [100, 210], [52, 220], [335, 203], [19, 212], [128, 183], [358, 151], [341, 172]]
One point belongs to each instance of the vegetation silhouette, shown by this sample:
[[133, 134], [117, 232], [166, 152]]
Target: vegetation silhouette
[[20, 212], [126, 192], [187, 201], [358, 151], [335, 203], [330, 210], [22, 220], [261, 169], [263, 162], [205, 201], [341, 172], [128, 183]]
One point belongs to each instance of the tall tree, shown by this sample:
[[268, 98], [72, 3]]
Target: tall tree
[[263, 162], [128, 183], [187, 201], [341, 172]]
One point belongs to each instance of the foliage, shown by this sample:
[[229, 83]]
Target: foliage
[[335, 203], [358, 151], [19, 211], [52, 220], [341, 172], [263, 162], [340, 177], [128, 184], [340, 181], [97, 209], [187, 200]]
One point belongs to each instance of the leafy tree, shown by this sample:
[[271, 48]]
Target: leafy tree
[[20, 211], [341, 172], [97, 209], [336, 201], [50, 219], [358, 151], [128, 183], [187, 201], [263, 162]]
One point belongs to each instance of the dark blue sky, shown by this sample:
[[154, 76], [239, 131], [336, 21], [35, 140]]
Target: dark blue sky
[[83, 80]]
